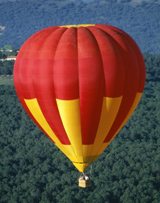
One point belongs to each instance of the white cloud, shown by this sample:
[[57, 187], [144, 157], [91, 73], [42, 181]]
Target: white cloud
[[2, 29]]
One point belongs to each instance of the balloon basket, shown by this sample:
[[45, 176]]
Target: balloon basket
[[84, 181]]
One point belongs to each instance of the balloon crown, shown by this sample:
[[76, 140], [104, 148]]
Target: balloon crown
[[79, 25]]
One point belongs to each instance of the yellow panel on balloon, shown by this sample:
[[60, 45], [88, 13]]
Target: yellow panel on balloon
[[36, 112], [108, 115], [132, 109], [81, 155], [109, 112], [70, 115]]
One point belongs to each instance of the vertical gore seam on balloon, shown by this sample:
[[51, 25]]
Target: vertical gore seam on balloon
[[53, 81], [33, 85], [109, 35], [132, 50], [54, 88], [120, 104], [31, 38], [78, 83], [100, 51], [89, 29], [104, 82], [124, 90], [116, 46], [137, 56]]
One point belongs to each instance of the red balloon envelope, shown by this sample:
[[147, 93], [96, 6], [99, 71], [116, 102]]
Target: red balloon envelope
[[80, 84]]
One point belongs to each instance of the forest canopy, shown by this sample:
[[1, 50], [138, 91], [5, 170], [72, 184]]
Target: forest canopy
[[33, 170]]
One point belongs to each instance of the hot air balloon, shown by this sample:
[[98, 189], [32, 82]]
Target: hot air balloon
[[80, 84]]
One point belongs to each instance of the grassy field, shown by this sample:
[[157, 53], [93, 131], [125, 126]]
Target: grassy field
[[6, 80]]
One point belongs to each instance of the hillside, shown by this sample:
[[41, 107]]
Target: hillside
[[20, 18]]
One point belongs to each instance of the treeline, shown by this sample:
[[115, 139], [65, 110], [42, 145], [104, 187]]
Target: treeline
[[6, 66], [152, 64], [7, 51], [33, 170]]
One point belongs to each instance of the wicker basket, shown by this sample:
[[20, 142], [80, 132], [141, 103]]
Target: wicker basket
[[84, 181]]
